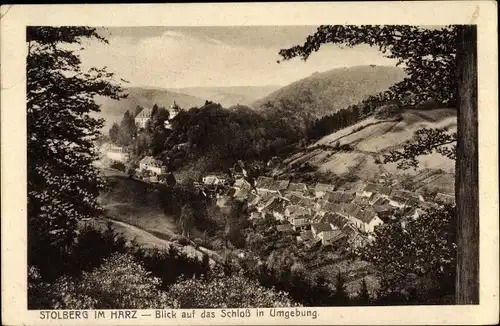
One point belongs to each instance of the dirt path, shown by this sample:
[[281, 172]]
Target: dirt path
[[148, 240]]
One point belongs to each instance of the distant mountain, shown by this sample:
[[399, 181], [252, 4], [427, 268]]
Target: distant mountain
[[327, 92], [228, 96], [112, 111]]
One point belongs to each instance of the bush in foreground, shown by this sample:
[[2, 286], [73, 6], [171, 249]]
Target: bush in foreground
[[119, 283], [221, 291]]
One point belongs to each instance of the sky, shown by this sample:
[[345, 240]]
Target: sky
[[175, 57]]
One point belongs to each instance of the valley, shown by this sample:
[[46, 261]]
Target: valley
[[349, 160]]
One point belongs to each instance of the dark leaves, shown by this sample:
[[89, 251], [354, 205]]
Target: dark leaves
[[425, 141], [428, 56], [62, 182]]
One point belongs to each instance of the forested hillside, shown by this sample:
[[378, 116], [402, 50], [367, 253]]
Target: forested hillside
[[327, 92]]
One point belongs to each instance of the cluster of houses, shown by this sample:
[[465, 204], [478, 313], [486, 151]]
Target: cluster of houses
[[319, 213]]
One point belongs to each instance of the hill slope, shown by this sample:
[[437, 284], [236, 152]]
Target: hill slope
[[370, 139], [228, 96], [112, 111], [327, 92]]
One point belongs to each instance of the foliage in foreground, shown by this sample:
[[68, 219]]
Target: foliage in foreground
[[424, 248], [119, 283], [221, 291], [63, 185]]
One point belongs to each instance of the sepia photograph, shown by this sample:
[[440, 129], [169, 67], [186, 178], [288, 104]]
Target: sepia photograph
[[245, 167], [167, 179]]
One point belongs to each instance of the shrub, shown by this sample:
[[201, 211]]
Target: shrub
[[222, 291], [183, 241], [118, 166], [119, 283]]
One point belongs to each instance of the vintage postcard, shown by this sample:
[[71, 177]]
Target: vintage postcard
[[250, 163]]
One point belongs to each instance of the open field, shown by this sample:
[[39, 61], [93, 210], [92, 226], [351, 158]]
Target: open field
[[137, 203], [371, 138]]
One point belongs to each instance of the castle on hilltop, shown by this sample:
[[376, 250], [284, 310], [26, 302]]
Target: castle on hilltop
[[145, 115]]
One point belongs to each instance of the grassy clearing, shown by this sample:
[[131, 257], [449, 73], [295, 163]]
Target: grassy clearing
[[137, 203]]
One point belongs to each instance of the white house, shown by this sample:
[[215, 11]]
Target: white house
[[143, 117], [367, 220], [241, 184], [150, 164], [269, 185], [321, 189], [325, 232], [214, 179], [274, 206], [445, 199], [297, 188], [116, 153], [300, 222], [369, 190], [397, 201], [296, 210]]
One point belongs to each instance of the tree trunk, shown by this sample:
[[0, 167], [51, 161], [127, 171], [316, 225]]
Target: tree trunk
[[466, 182]]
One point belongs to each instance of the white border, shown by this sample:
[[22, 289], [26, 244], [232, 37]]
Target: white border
[[13, 130]]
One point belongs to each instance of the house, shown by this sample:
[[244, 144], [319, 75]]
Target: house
[[242, 184], [376, 198], [356, 241], [254, 215], [148, 163], [364, 219], [294, 199], [397, 201], [142, 118], [445, 199], [300, 222], [351, 211], [269, 185], [372, 188], [404, 198], [428, 205], [214, 179], [242, 194], [317, 228], [296, 210], [362, 201], [116, 153], [255, 199], [379, 200], [293, 187], [305, 236], [321, 189], [284, 228], [385, 191], [309, 244], [415, 212], [274, 206], [330, 237], [338, 208], [339, 197], [411, 202], [223, 201], [325, 232], [306, 202], [383, 211], [369, 190], [369, 220], [336, 221], [410, 194]]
